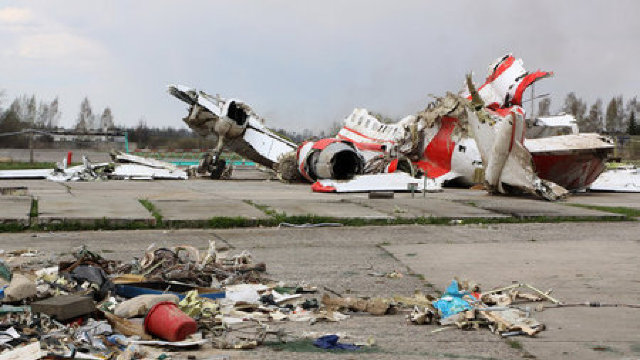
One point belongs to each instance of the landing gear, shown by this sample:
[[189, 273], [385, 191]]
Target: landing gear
[[212, 163], [209, 164], [217, 169]]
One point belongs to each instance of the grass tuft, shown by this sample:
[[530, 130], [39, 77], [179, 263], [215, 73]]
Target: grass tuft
[[514, 344], [628, 212], [152, 209]]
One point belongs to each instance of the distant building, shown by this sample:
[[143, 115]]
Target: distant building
[[98, 139]]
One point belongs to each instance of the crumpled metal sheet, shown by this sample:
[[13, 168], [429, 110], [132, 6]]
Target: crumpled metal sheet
[[618, 180], [399, 181], [499, 135], [251, 140]]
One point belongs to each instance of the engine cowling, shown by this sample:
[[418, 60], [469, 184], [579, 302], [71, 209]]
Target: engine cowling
[[329, 159]]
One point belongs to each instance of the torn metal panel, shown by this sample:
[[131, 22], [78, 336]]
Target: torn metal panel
[[142, 172], [547, 126], [234, 125], [124, 158], [626, 179], [377, 182], [499, 135], [570, 144], [572, 161], [506, 81], [435, 146]]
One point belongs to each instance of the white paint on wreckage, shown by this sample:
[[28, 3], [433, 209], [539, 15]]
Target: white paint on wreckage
[[210, 116]]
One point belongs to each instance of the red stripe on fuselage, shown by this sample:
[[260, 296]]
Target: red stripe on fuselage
[[367, 137], [437, 156]]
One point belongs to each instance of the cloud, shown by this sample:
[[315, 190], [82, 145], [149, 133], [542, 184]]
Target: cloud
[[59, 46], [13, 15], [37, 36]]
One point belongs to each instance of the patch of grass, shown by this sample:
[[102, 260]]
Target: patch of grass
[[12, 227], [276, 218], [33, 212], [16, 165], [152, 209], [306, 345], [410, 254], [107, 251], [102, 224], [26, 165], [264, 208], [221, 222], [384, 243], [628, 212], [514, 344]]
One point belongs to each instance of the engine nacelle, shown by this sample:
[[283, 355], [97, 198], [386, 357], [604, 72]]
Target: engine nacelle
[[329, 159]]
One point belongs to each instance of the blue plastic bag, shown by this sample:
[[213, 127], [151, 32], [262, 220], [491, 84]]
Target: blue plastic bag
[[451, 302]]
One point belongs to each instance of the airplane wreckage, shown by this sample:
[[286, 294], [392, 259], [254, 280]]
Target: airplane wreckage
[[477, 136]]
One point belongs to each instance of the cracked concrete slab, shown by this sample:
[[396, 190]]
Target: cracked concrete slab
[[335, 209], [629, 200], [91, 209], [205, 209], [576, 270], [15, 209], [528, 208], [427, 207]]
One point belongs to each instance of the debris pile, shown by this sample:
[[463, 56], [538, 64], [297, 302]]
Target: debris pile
[[122, 167], [181, 298], [465, 306], [168, 298]]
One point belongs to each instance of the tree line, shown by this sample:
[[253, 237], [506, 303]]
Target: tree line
[[26, 111], [617, 118]]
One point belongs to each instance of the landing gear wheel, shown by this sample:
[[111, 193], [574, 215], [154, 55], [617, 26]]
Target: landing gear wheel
[[217, 169]]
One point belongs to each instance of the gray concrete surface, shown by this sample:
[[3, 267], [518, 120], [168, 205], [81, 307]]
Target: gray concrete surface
[[630, 200], [205, 209], [92, 209], [527, 208], [328, 208], [15, 209], [580, 261], [429, 206], [194, 200]]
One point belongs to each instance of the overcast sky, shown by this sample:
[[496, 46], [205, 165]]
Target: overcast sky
[[303, 64]]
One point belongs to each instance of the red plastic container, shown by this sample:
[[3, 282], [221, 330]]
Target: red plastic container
[[167, 322]]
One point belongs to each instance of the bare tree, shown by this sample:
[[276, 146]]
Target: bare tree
[[42, 117], [54, 114], [142, 132], [86, 119], [614, 115], [576, 107], [595, 118], [106, 120]]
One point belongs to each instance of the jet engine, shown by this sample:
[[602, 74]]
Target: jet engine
[[329, 159]]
